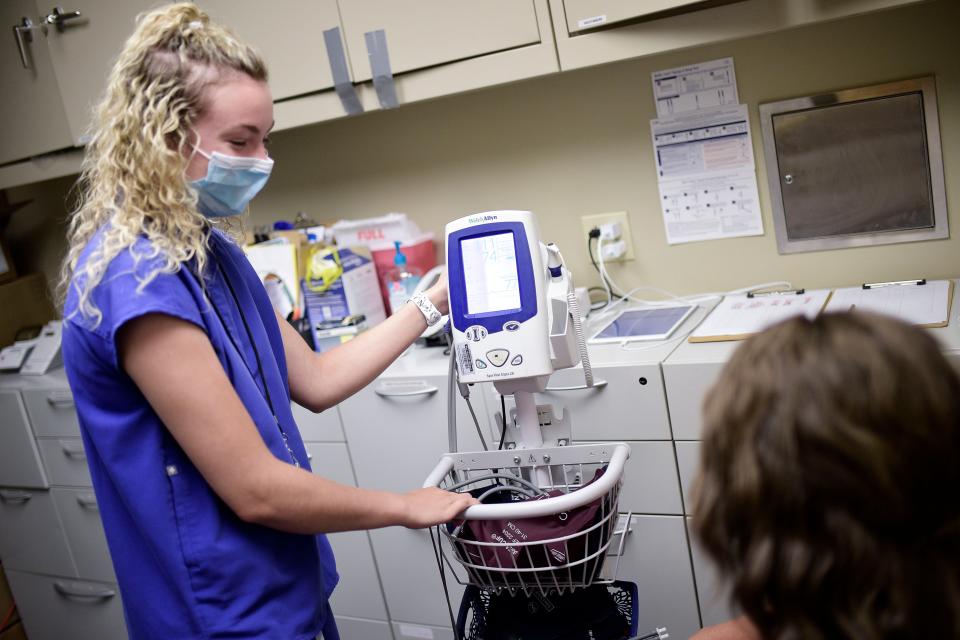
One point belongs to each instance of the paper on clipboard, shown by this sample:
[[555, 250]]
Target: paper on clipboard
[[926, 305], [738, 317]]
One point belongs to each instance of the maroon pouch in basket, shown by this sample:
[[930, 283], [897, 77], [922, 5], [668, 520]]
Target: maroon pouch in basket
[[507, 533]]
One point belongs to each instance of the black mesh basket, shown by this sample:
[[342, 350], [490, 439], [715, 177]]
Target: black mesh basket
[[598, 612]]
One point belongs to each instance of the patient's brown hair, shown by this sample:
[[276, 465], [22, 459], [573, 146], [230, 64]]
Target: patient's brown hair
[[829, 492]]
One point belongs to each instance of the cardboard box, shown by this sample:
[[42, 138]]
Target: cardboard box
[[26, 302]]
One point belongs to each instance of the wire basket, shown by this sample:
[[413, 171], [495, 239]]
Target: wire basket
[[556, 537]]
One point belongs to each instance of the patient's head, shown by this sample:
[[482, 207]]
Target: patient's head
[[829, 492]]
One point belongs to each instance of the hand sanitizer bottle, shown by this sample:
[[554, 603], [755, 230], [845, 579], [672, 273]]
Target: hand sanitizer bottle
[[401, 280]]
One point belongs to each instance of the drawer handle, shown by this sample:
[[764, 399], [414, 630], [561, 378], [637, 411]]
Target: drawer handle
[[15, 497], [60, 400], [388, 393], [87, 501], [77, 453], [597, 384], [83, 591]]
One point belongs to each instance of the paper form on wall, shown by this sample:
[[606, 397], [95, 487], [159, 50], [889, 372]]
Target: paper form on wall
[[705, 171], [927, 305], [739, 316], [693, 87]]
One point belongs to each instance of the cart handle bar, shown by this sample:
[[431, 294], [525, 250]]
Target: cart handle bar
[[535, 508]]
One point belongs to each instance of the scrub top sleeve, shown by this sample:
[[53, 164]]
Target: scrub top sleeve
[[123, 298]]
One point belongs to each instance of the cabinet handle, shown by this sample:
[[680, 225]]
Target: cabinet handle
[[87, 501], [59, 18], [60, 400], [15, 497], [76, 453], [388, 393], [79, 590], [22, 33], [597, 384]]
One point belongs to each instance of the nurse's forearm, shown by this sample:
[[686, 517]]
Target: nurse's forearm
[[294, 500], [320, 381]]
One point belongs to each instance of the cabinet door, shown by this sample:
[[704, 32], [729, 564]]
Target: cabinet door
[[588, 14], [31, 538], [688, 461], [434, 32], [397, 430], [19, 459], [687, 385], [318, 427], [88, 544], [657, 559], [57, 608], [358, 594], [83, 52], [289, 36], [712, 592], [32, 120]]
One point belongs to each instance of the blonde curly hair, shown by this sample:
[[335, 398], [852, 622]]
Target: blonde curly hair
[[133, 179]]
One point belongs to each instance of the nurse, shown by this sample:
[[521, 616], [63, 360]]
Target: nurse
[[181, 371]]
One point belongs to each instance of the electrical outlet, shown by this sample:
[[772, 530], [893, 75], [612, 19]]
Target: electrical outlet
[[598, 219]]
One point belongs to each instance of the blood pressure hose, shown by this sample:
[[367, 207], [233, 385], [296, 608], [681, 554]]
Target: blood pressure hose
[[581, 339]]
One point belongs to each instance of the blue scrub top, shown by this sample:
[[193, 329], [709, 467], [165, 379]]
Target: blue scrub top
[[186, 565]]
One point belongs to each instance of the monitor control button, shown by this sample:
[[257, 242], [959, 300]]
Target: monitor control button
[[517, 360], [476, 333], [513, 325], [481, 364], [498, 357]]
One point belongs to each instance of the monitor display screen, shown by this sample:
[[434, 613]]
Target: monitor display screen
[[490, 273]]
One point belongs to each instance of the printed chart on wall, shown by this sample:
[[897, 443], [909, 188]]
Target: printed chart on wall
[[704, 155]]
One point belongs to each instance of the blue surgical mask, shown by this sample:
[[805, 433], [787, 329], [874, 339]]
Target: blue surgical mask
[[230, 184]]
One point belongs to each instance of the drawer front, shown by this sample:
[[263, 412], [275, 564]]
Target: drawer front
[[57, 608], [65, 461], [361, 629], [688, 461], [31, 538], [712, 591], [627, 403], [411, 583], [81, 522], [650, 482], [407, 631], [318, 427], [19, 458], [657, 559], [358, 594], [687, 386], [52, 413]]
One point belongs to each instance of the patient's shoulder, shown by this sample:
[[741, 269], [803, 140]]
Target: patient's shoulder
[[739, 629]]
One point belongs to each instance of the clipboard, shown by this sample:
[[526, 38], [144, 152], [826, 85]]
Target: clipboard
[[919, 302], [738, 317]]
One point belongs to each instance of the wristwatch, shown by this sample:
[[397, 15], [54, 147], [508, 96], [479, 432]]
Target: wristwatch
[[427, 308]]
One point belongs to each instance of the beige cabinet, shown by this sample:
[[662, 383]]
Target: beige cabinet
[[433, 32], [289, 36], [583, 15], [657, 26], [32, 119]]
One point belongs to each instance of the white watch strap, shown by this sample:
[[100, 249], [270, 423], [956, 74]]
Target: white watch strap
[[427, 308]]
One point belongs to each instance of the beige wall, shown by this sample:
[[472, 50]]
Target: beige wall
[[578, 143]]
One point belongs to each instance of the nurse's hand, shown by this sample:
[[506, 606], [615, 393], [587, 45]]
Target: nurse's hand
[[427, 507], [438, 295]]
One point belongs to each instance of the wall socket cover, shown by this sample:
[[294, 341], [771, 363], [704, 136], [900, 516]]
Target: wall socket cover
[[597, 219]]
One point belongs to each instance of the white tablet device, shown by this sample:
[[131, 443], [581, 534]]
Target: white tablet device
[[652, 323]]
